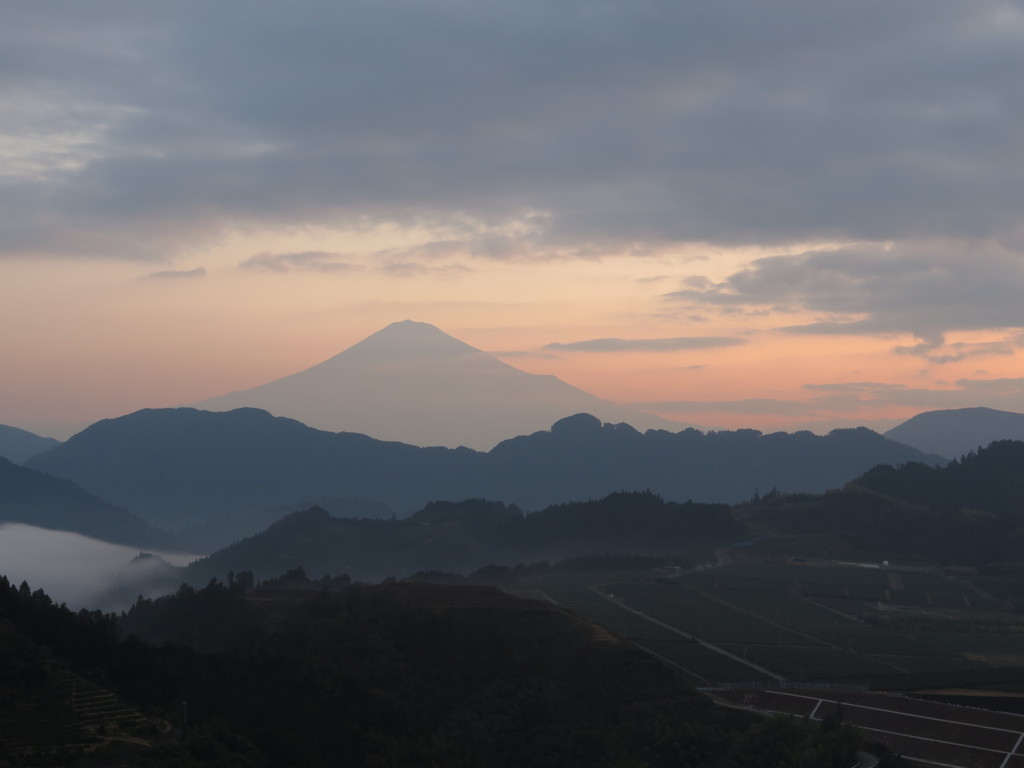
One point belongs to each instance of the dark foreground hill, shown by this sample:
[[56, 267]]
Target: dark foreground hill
[[214, 472], [36, 498], [17, 445], [392, 675], [953, 433], [465, 536]]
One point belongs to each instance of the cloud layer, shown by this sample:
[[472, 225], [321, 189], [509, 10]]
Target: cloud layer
[[927, 289], [646, 345], [139, 130]]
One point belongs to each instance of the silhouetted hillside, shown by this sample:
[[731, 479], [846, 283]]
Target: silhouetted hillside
[[182, 468], [463, 536], [579, 458], [989, 480], [17, 445], [970, 512], [36, 498], [955, 432], [399, 675]]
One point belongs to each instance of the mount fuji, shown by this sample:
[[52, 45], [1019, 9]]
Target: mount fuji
[[410, 382]]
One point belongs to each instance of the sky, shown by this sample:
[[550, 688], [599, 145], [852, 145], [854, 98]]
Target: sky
[[734, 213]]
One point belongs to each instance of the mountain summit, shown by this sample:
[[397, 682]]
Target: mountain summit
[[952, 433], [406, 340], [412, 382]]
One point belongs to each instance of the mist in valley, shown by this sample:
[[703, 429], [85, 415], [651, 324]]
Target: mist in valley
[[80, 571]]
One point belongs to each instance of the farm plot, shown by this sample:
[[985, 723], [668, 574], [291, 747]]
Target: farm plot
[[1002, 647], [812, 664], [867, 651], [923, 665], [873, 641], [707, 666], [707, 618], [760, 617], [778, 607], [701, 663], [922, 732]]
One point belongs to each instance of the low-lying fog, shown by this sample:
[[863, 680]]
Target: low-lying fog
[[77, 570]]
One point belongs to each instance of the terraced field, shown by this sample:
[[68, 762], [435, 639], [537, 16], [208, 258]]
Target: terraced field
[[70, 715], [825, 622], [923, 733]]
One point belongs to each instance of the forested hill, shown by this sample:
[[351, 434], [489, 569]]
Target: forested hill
[[464, 536], [180, 468], [990, 479], [970, 512], [400, 675]]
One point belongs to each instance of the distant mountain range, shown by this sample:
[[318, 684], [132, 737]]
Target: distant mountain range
[[36, 498], [953, 433], [18, 444], [413, 383], [208, 476]]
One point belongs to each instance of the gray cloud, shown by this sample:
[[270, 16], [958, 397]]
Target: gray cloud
[[137, 129], [177, 274], [415, 269], [851, 398], [307, 261], [928, 289], [647, 345]]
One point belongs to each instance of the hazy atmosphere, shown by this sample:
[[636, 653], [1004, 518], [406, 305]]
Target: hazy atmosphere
[[733, 214], [72, 568]]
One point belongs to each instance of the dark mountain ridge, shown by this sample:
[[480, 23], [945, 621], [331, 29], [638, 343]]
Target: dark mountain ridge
[[36, 498], [17, 445], [182, 468], [464, 536]]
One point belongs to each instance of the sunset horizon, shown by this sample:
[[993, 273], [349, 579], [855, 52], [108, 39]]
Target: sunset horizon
[[736, 217]]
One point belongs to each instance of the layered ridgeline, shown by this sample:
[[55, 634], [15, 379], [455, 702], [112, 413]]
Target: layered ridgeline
[[414, 383], [953, 433], [36, 498], [18, 444], [215, 474], [461, 537]]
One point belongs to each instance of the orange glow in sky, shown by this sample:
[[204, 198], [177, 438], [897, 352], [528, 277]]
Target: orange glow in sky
[[802, 217]]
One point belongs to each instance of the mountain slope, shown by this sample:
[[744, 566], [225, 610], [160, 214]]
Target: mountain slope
[[17, 445], [990, 480], [953, 433], [464, 536], [969, 512], [35, 498], [183, 468], [414, 383]]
